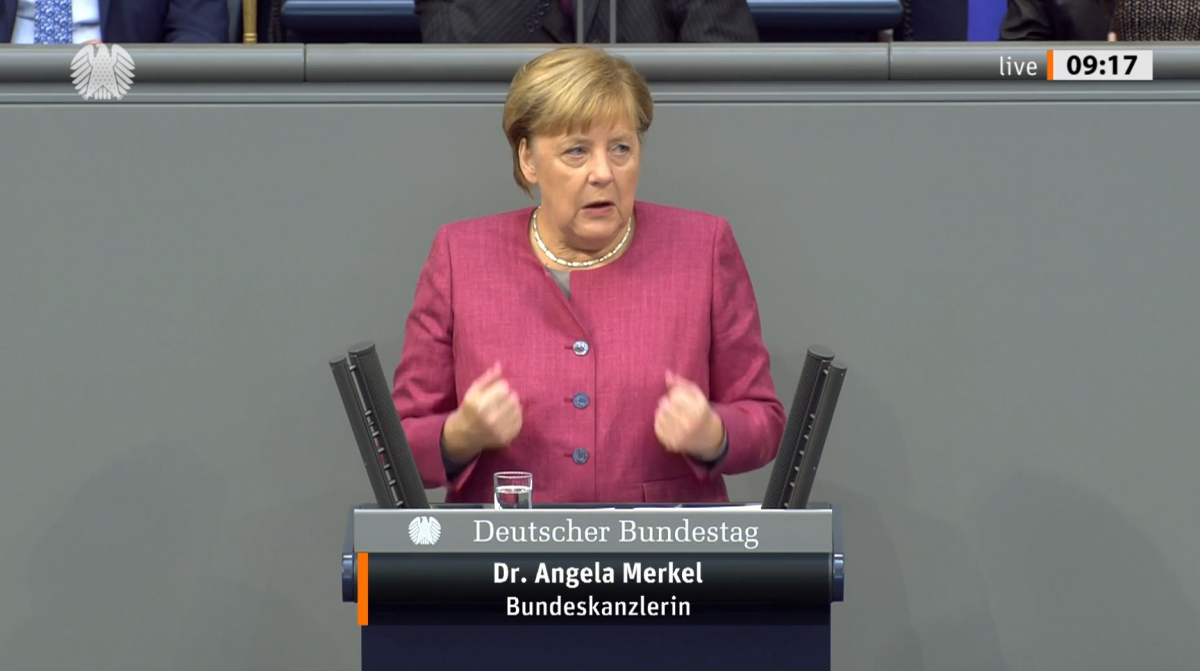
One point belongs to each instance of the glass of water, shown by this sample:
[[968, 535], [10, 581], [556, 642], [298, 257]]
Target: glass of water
[[514, 490]]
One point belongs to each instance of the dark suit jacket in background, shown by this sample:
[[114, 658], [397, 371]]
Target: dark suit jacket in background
[[1057, 20], [148, 21], [536, 21]]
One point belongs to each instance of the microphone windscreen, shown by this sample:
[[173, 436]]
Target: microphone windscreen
[[387, 422], [377, 472], [798, 419], [822, 418]]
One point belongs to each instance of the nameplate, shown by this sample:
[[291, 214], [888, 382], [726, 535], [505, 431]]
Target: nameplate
[[658, 531], [507, 588]]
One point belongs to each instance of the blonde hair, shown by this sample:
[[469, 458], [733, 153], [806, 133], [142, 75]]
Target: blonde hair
[[567, 90]]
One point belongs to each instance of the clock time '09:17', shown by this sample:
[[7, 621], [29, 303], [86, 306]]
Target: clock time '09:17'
[[1089, 64]]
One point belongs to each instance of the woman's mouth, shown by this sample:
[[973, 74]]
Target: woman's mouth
[[598, 207]]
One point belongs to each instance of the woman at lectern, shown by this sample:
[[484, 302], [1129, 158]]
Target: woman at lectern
[[1100, 20], [609, 346]]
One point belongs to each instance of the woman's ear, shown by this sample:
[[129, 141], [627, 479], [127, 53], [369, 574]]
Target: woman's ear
[[525, 154]]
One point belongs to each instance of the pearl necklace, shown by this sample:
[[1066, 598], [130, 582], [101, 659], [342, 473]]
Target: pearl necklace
[[577, 264]]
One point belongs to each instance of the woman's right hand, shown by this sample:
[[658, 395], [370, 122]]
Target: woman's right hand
[[488, 418]]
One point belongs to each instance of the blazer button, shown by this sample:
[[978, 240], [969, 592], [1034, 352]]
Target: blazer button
[[580, 400], [581, 347], [580, 456]]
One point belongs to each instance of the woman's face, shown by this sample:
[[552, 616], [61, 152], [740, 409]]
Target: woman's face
[[588, 182]]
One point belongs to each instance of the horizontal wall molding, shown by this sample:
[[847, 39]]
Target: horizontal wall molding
[[975, 61], [299, 95], [164, 63], [667, 63]]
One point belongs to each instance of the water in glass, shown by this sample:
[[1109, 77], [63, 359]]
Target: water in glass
[[514, 490], [514, 496]]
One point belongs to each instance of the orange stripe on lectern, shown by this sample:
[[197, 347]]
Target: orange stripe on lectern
[[1050, 65], [362, 589]]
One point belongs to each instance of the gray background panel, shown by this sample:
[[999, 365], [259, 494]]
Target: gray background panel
[[1012, 285]]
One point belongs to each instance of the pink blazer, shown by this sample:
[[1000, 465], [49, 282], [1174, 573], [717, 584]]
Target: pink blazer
[[589, 370]]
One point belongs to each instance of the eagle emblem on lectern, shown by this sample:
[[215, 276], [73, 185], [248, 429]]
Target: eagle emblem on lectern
[[101, 74], [424, 530]]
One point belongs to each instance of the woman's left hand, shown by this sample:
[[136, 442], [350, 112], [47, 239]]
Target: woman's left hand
[[685, 422]]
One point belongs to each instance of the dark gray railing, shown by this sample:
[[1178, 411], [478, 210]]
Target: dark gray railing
[[850, 62]]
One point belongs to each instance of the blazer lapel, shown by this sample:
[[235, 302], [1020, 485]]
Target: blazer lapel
[[521, 248]]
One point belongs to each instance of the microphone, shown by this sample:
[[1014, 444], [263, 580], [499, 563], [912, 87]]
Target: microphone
[[382, 444], [807, 427]]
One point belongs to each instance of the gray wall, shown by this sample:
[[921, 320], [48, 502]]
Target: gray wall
[[1010, 274]]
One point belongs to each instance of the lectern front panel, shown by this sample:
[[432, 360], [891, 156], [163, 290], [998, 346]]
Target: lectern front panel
[[711, 588]]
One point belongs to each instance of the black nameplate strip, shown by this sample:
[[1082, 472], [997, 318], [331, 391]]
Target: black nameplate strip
[[613, 588]]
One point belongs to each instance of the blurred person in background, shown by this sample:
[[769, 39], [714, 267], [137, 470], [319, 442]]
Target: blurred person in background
[[1100, 20], [538, 21], [113, 21], [1156, 21]]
